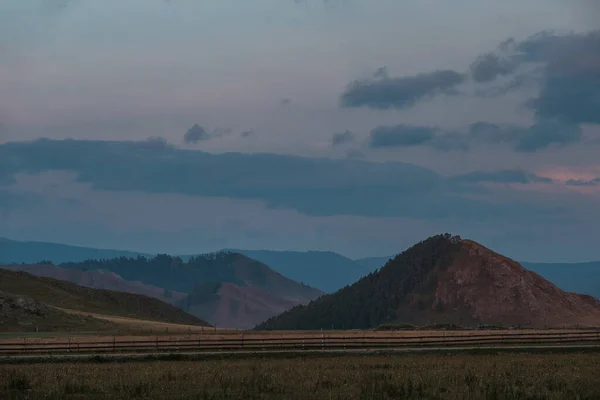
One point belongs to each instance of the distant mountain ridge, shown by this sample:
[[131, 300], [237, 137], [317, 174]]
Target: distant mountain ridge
[[327, 271], [372, 263], [572, 277], [17, 252], [445, 279]]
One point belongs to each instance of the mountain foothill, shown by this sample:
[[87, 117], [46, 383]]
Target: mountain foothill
[[441, 280]]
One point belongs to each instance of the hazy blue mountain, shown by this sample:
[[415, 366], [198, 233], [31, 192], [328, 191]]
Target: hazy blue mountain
[[576, 277], [324, 270], [373, 263], [16, 252]]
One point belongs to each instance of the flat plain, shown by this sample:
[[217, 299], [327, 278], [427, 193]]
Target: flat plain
[[409, 376]]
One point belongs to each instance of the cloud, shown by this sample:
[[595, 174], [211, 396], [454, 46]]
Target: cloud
[[536, 137], [488, 67], [196, 134], [402, 92], [247, 133], [567, 67], [341, 138], [354, 154], [410, 136], [381, 73], [285, 102], [546, 133], [579, 182], [317, 187], [400, 136], [571, 87], [155, 143], [505, 176], [219, 132]]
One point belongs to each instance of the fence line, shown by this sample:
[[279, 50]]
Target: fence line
[[321, 342]]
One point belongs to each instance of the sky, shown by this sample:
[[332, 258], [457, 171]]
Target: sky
[[355, 126]]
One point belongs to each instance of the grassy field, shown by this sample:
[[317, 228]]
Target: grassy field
[[507, 376]]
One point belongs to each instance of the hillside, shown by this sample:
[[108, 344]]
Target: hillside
[[24, 314], [97, 279], [445, 279], [325, 270], [253, 290], [227, 305], [572, 277], [67, 295], [16, 252]]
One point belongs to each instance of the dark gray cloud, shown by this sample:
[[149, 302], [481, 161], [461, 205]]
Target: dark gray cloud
[[490, 66], [530, 79], [573, 97], [546, 133], [318, 187], [536, 137], [247, 133], [341, 138], [402, 92], [400, 136], [571, 87], [156, 143], [505, 176], [568, 74], [381, 73], [450, 141], [487, 130], [579, 182], [409, 136], [196, 134], [286, 102]]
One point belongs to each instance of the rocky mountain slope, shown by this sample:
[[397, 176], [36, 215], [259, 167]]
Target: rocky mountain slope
[[16, 252], [445, 279]]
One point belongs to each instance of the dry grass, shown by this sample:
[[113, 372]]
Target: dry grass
[[352, 377], [141, 325]]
